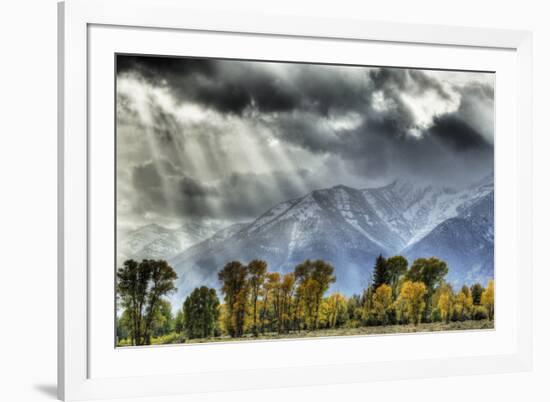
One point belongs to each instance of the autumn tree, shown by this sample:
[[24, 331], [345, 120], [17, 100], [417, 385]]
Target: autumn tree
[[298, 310], [257, 270], [368, 305], [466, 290], [201, 312], [476, 291], [224, 319], [311, 288], [323, 273], [271, 296], [459, 307], [315, 278], [334, 310], [396, 267], [287, 289], [431, 272], [354, 308], [412, 300], [463, 304], [488, 299], [140, 287], [445, 302], [382, 301], [233, 278], [278, 301]]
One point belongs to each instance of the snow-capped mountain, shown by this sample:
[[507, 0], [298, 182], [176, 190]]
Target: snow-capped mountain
[[465, 242], [349, 228], [413, 211], [155, 241]]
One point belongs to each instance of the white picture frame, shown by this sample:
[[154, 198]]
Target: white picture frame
[[84, 26]]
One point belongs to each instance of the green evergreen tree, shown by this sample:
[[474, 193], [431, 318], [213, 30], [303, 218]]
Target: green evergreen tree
[[477, 291], [200, 313], [381, 273]]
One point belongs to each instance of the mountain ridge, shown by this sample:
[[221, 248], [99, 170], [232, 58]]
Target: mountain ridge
[[348, 227], [156, 241]]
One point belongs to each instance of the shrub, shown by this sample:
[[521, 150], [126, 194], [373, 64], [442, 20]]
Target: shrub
[[455, 316], [480, 313], [436, 315], [174, 337]]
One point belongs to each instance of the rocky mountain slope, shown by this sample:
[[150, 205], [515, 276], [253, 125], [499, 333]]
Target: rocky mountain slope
[[350, 227]]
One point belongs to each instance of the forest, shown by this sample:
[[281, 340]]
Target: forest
[[255, 303]]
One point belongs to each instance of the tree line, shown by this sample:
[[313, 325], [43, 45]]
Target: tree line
[[255, 301]]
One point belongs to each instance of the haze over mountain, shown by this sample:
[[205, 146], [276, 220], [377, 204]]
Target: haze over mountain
[[347, 227], [158, 242]]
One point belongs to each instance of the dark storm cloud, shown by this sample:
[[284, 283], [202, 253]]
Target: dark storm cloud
[[444, 157], [477, 109], [232, 86], [161, 187], [193, 188], [157, 69], [392, 83], [458, 134], [229, 86], [405, 80], [360, 121], [452, 149], [386, 132]]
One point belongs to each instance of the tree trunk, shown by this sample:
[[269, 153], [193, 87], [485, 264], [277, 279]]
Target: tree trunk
[[255, 328]]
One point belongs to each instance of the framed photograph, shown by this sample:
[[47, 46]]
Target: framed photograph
[[255, 201]]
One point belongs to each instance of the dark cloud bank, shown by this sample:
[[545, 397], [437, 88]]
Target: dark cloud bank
[[337, 124]]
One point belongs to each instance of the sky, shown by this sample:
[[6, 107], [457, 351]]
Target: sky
[[213, 139]]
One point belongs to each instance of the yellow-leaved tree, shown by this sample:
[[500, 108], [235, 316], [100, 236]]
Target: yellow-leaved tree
[[463, 304], [336, 311], [445, 304], [411, 298], [382, 302], [488, 299]]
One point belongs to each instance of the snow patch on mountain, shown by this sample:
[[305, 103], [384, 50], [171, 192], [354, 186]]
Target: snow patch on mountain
[[414, 211]]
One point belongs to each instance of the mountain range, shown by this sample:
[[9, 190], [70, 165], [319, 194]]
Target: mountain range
[[346, 226], [158, 242]]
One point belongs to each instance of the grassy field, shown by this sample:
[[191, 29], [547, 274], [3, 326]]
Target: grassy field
[[390, 329]]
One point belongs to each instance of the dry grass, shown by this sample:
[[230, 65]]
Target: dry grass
[[390, 329]]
